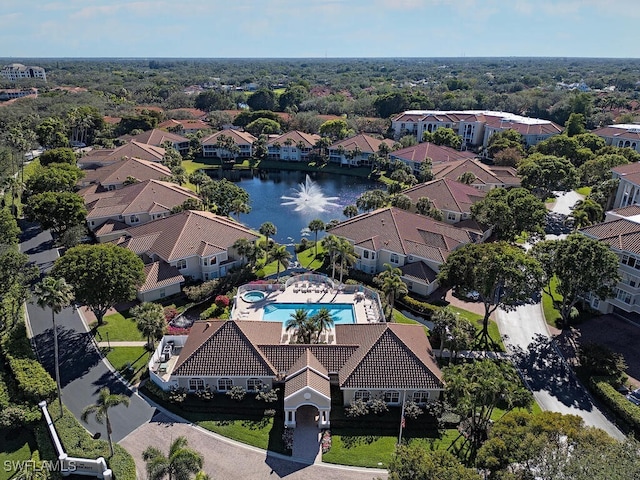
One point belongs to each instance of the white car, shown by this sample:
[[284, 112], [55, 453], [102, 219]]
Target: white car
[[473, 295], [634, 397]]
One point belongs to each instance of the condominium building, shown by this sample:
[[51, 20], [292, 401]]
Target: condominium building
[[17, 71]]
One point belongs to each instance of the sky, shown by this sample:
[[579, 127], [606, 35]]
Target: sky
[[319, 28]]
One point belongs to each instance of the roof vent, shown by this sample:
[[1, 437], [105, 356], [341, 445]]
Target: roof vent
[[207, 325]]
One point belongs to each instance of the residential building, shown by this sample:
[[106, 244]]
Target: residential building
[[228, 144], [486, 178], [357, 151], [134, 204], [622, 135], [390, 361], [416, 155], [100, 157], [184, 127], [12, 93], [158, 138], [114, 175], [452, 198], [623, 237], [628, 192], [473, 126], [16, 72], [293, 146], [199, 244], [400, 238]]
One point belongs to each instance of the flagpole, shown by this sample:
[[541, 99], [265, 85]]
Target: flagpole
[[404, 399]]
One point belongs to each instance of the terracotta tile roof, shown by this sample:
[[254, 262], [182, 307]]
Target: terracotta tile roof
[[331, 356], [627, 169], [221, 348], [160, 275], [524, 128], [296, 137], [446, 194], [184, 125], [187, 234], [366, 143], [623, 132], [132, 149], [150, 196], [238, 136], [390, 356], [622, 234], [307, 378], [110, 226], [194, 112], [155, 137], [419, 271], [438, 154], [118, 172], [485, 175], [307, 360], [628, 211], [403, 232]]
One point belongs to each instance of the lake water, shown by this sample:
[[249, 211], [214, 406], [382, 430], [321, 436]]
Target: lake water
[[266, 189]]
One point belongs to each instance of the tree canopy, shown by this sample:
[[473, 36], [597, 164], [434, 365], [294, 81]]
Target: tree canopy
[[101, 275], [510, 213], [57, 211], [503, 275], [221, 194], [545, 174]]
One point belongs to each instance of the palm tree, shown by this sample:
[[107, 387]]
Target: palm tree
[[330, 244], [347, 256], [281, 256], [443, 321], [150, 321], [321, 321], [239, 206], [56, 294], [393, 287], [315, 226], [243, 247], [299, 321], [268, 229], [100, 409], [180, 464], [350, 211]]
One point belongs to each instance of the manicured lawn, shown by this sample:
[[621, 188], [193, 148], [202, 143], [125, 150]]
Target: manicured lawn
[[476, 319], [123, 357], [551, 314], [251, 432], [119, 327], [401, 318], [308, 259], [15, 446], [583, 191]]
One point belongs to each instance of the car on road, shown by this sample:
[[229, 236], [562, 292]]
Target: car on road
[[634, 397]]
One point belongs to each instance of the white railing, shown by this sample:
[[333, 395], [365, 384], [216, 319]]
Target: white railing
[[74, 465]]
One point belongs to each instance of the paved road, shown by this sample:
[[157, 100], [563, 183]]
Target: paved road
[[553, 384], [82, 370], [565, 201]]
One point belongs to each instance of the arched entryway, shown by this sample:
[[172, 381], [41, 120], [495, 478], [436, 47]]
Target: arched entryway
[[307, 414], [306, 436]]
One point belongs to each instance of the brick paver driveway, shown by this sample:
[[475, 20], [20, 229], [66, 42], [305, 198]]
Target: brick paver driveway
[[229, 460]]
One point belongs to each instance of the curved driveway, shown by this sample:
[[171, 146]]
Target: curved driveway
[[551, 380]]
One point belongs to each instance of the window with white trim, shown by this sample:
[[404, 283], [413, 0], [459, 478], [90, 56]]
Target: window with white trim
[[180, 264], [623, 296], [451, 216], [134, 219], [392, 397], [363, 395], [196, 384], [254, 385], [225, 384], [365, 254], [393, 258], [421, 396]]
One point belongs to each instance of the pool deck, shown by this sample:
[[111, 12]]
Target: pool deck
[[364, 310]]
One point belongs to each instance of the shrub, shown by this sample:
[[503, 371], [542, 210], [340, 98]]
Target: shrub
[[13, 417], [287, 438], [270, 413], [237, 393], [620, 405], [326, 441], [222, 301], [156, 391], [412, 410], [268, 396], [177, 395], [378, 406], [198, 293], [598, 359], [358, 408], [171, 330], [170, 313], [423, 308], [206, 394]]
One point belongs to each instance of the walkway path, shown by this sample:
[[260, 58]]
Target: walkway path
[[120, 344], [230, 460], [565, 201], [547, 374]]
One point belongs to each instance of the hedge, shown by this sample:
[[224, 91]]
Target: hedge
[[77, 442], [422, 308], [617, 402], [5, 400], [32, 380]]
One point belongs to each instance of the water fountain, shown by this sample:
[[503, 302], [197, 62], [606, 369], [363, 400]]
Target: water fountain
[[309, 198]]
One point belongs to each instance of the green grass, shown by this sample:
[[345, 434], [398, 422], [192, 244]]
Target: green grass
[[583, 191], [308, 259], [494, 332], [16, 446], [551, 314], [119, 327], [122, 358], [398, 317], [251, 432]]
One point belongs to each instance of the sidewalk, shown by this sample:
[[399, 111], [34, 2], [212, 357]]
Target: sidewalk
[[121, 344]]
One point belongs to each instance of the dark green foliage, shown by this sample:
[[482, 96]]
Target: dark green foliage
[[221, 194], [599, 360], [57, 211], [245, 118], [263, 99], [617, 402], [58, 155], [57, 177], [545, 174], [9, 230], [146, 120], [214, 100], [415, 462]]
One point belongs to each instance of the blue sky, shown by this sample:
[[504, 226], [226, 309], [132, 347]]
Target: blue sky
[[319, 28]]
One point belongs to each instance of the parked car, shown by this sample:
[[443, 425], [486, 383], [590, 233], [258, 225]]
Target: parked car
[[634, 397], [473, 295]]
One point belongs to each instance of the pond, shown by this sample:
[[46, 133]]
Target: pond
[[322, 196]]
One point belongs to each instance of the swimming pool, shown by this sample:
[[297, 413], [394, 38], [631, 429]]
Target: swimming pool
[[253, 296], [281, 312]]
